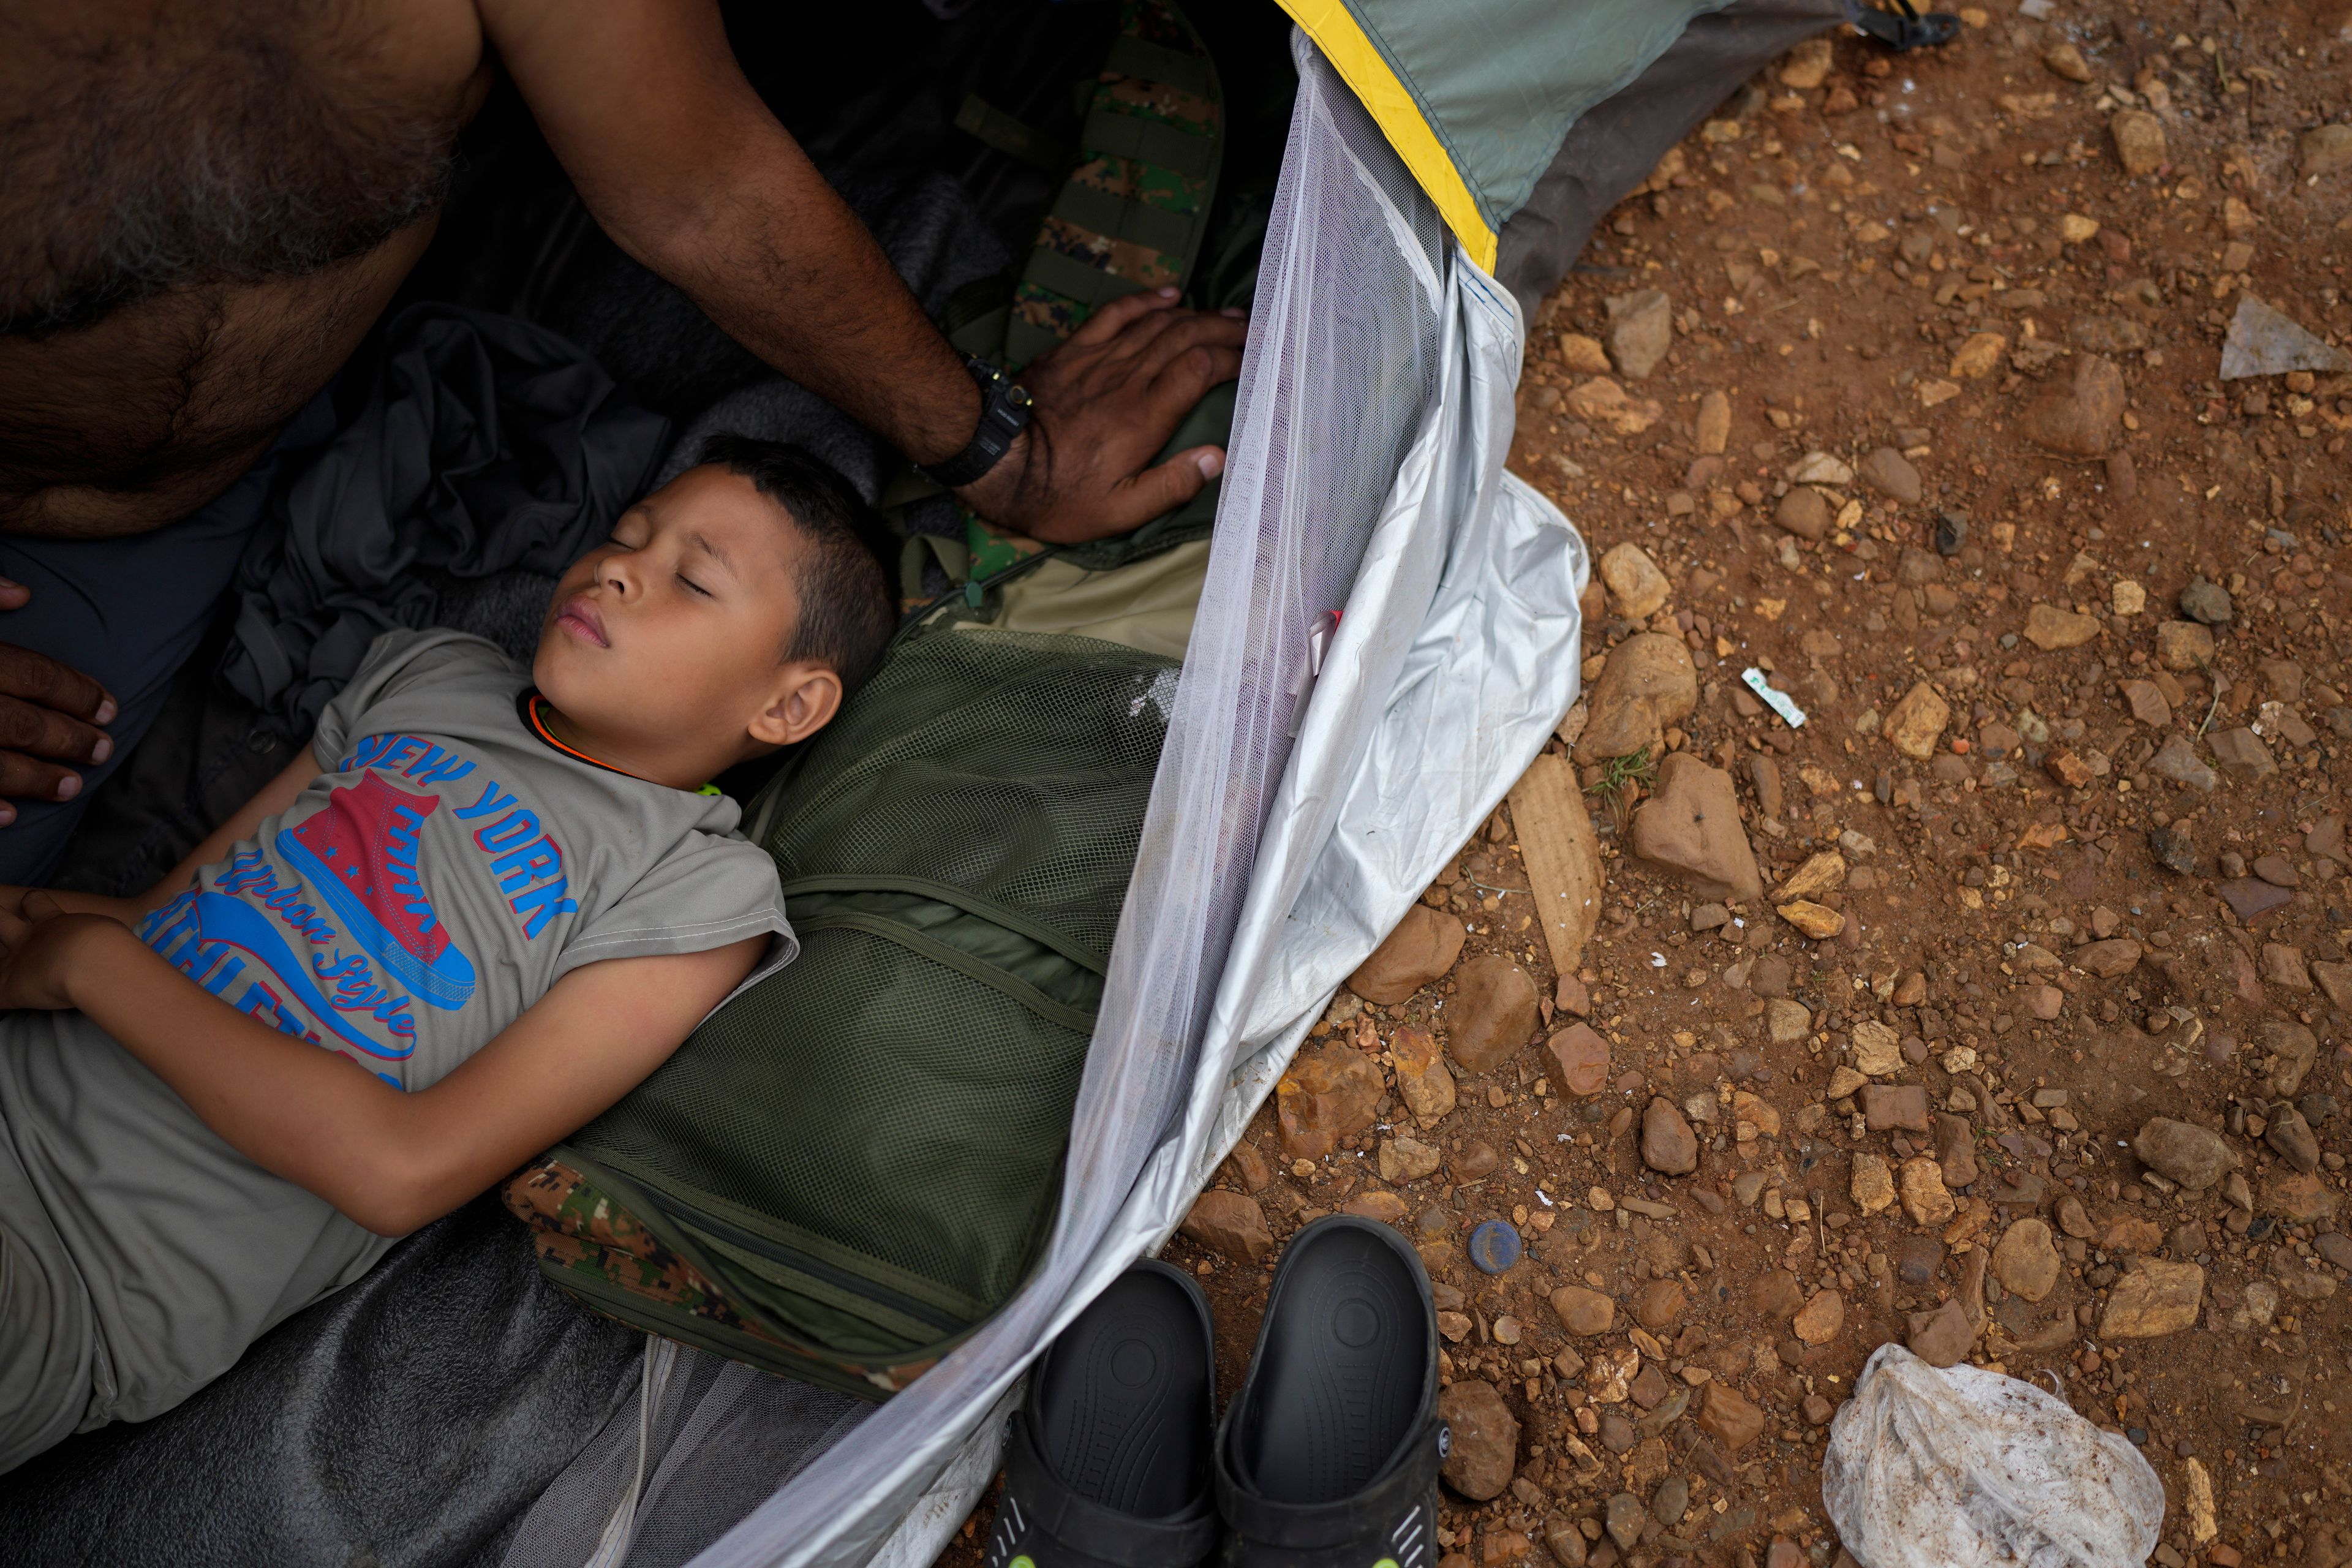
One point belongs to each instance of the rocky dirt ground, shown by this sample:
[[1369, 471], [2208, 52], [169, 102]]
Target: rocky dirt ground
[[2000, 1007]]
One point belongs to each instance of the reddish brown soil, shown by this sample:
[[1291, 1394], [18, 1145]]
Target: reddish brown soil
[[1826, 251]]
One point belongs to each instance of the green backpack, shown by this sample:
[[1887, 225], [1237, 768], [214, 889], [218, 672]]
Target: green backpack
[[851, 1164]]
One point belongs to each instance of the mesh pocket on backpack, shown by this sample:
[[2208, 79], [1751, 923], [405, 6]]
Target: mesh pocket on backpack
[[923, 1157]]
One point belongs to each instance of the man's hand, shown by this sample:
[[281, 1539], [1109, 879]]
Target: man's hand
[[1107, 401], [677, 157], [40, 943], [48, 714]]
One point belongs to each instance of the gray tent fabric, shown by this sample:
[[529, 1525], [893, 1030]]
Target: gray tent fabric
[[1616, 144]]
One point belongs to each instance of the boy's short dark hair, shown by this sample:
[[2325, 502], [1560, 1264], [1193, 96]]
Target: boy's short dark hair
[[847, 615]]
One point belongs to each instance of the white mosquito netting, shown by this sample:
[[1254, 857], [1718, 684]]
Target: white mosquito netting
[[1366, 476]]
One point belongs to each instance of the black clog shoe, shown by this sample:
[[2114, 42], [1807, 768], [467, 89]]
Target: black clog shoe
[[1328, 1456], [1106, 1464]]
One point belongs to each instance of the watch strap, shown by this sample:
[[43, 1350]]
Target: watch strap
[[1005, 410]]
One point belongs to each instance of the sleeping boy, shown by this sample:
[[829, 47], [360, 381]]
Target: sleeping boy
[[490, 904]]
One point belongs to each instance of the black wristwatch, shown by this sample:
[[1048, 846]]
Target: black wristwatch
[[1005, 409]]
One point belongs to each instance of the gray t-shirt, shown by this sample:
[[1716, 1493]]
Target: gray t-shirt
[[448, 868]]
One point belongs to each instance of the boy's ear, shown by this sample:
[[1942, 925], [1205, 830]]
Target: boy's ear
[[804, 701]]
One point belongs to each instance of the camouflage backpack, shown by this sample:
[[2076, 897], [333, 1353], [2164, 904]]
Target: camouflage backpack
[[1132, 214], [850, 1165]]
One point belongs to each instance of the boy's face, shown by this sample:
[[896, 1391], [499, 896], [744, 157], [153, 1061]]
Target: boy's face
[[670, 635]]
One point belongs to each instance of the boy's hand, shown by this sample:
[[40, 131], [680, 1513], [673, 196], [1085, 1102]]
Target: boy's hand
[[41, 944], [1107, 401]]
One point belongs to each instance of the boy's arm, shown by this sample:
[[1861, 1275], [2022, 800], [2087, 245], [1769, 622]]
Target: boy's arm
[[272, 798], [390, 1161]]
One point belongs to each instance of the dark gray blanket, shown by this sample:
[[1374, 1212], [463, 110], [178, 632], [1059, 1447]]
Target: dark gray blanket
[[485, 445], [409, 1419]]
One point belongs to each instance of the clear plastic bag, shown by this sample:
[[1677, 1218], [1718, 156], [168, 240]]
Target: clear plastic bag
[[1962, 1467]]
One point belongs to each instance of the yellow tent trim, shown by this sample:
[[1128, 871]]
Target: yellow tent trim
[[1393, 108]]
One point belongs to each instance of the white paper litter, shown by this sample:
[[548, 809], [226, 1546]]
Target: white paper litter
[[1778, 701]]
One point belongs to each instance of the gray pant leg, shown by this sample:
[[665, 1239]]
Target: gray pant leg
[[47, 1339], [128, 613]]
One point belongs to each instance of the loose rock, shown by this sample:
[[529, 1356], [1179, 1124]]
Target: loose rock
[[2158, 1298], [2140, 141], [2208, 603], [2296, 1048], [1668, 1145], [2181, 1151], [2290, 1135], [2147, 704], [1326, 1094], [1691, 826], [1890, 473], [2116, 955], [2048, 627], [2026, 1261], [1941, 1337], [1803, 512], [1786, 1022], [1423, 947], [1601, 402], [1714, 426], [2242, 751], [1729, 1416], [1637, 589], [1873, 1187], [1583, 1312], [1492, 1015], [2183, 645], [2066, 60], [1820, 1318], [2265, 341], [1955, 1149], [1816, 920], [1486, 1443], [1581, 1055], [1406, 1159], [1979, 356], [1422, 1080], [1822, 873], [1229, 1225], [1886, 1106], [2325, 151], [1658, 1303], [1925, 1198], [2177, 760], [1647, 683], [2079, 419], [1623, 1517], [1914, 724], [1641, 331], [1876, 1050], [1583, 354]]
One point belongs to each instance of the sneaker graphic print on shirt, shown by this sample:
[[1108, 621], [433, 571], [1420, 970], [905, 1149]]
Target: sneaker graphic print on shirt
[[361, 853], [328, 928]]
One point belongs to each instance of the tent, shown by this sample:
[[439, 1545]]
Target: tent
[[1441, 167]]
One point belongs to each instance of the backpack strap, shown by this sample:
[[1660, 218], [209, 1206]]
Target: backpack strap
[[1132, 213]]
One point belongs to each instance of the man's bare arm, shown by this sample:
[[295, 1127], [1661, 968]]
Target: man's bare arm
[[685, 168], [388, 1159]]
